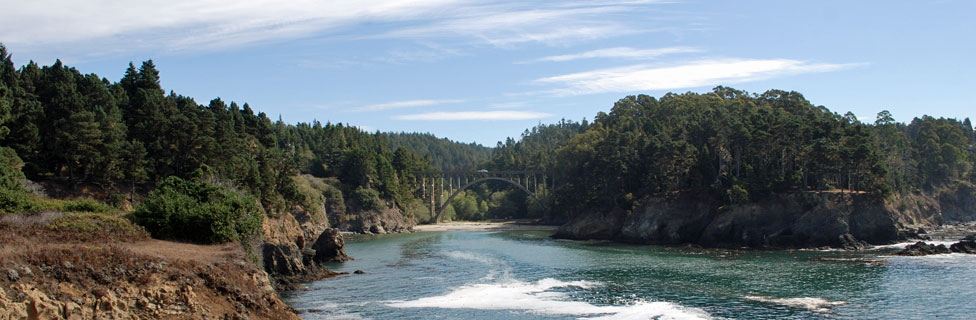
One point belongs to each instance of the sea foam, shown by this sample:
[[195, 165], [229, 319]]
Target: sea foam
[[820, 305], [537, 297]]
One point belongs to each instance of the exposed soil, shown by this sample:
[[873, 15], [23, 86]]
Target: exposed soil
[[47, 274]]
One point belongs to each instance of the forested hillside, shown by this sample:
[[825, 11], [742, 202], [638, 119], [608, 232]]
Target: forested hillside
[[740, 147], [79, 129], [441, 153]]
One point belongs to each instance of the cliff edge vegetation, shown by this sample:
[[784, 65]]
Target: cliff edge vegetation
[[737, 168]]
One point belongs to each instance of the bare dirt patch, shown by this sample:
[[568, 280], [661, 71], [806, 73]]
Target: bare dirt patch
[[71, 273]]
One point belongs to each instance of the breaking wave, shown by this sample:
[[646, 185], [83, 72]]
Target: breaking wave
[[820, 305], [539, 298]]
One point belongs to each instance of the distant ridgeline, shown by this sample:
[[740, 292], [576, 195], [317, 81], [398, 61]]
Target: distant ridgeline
[[60, 124], [735, 147], [441, 153]]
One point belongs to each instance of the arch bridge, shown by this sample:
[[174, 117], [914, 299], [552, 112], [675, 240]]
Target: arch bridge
[[537, 184]]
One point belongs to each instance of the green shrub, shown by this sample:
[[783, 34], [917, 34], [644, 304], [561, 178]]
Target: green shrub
[[367, 198], [738, 194], [198, 211], [84, 205], [91, 223]]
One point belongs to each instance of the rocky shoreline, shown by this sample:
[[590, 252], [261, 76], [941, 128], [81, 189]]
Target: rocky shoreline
[[921, 248], [788, 221], [95, 272]]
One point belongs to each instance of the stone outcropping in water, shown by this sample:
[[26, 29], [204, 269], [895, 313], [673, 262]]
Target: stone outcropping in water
[[920, 248], [295, 242]]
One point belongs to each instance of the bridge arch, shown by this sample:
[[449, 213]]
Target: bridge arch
[[440, 209]]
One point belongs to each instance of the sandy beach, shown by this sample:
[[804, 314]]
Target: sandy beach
[[483, 226]]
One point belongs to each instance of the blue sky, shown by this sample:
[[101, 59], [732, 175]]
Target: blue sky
[[481, 71]]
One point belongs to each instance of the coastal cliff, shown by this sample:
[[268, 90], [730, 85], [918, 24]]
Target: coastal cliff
[[795, 220], [57, 265]]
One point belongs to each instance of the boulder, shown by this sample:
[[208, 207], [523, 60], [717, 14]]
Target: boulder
[[921, 248], [329, 247], [964, 246]]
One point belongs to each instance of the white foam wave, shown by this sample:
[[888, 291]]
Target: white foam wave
[[537, 298], [498, 268], [814, 304], [329, 310], [953, 258], [903, 245]]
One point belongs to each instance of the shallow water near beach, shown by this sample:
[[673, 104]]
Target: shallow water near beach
[[527, 275]]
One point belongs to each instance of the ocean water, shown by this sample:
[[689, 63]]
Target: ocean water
[[527, 275]]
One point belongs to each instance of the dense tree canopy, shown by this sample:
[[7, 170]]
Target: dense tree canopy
[[80, 128], [730, 145], [736, 146]]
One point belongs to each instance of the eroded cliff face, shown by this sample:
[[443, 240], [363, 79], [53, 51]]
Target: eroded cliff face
[[797, 220], [378, 222], [47, 274], [295, 242]]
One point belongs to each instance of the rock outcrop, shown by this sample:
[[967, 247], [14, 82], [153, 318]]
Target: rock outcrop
[[378, 222], [296, 241], [965, 246], [115, 283], [595, 226], [796, 220], [922, 249], [329, 247]]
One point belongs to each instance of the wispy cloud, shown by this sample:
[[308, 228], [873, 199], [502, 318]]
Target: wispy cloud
[[619, 52], [508, 105], [190, 25], [689, 75], [404, 104], [474, 115], [510, 24], [193, 24]]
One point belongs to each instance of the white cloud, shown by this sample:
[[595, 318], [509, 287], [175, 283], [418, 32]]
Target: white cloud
[[510, 24], [690, 75], [620, 52], [474, 115], [404, 104], [192, 25]]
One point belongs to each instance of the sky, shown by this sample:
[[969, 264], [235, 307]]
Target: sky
[[482, 71]]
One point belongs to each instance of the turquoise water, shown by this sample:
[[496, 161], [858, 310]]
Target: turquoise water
[[527, 275]]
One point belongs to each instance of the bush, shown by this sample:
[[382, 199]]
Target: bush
[[84, 205], [96, 225], [198, 211], [367, 198], [737, 194]]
